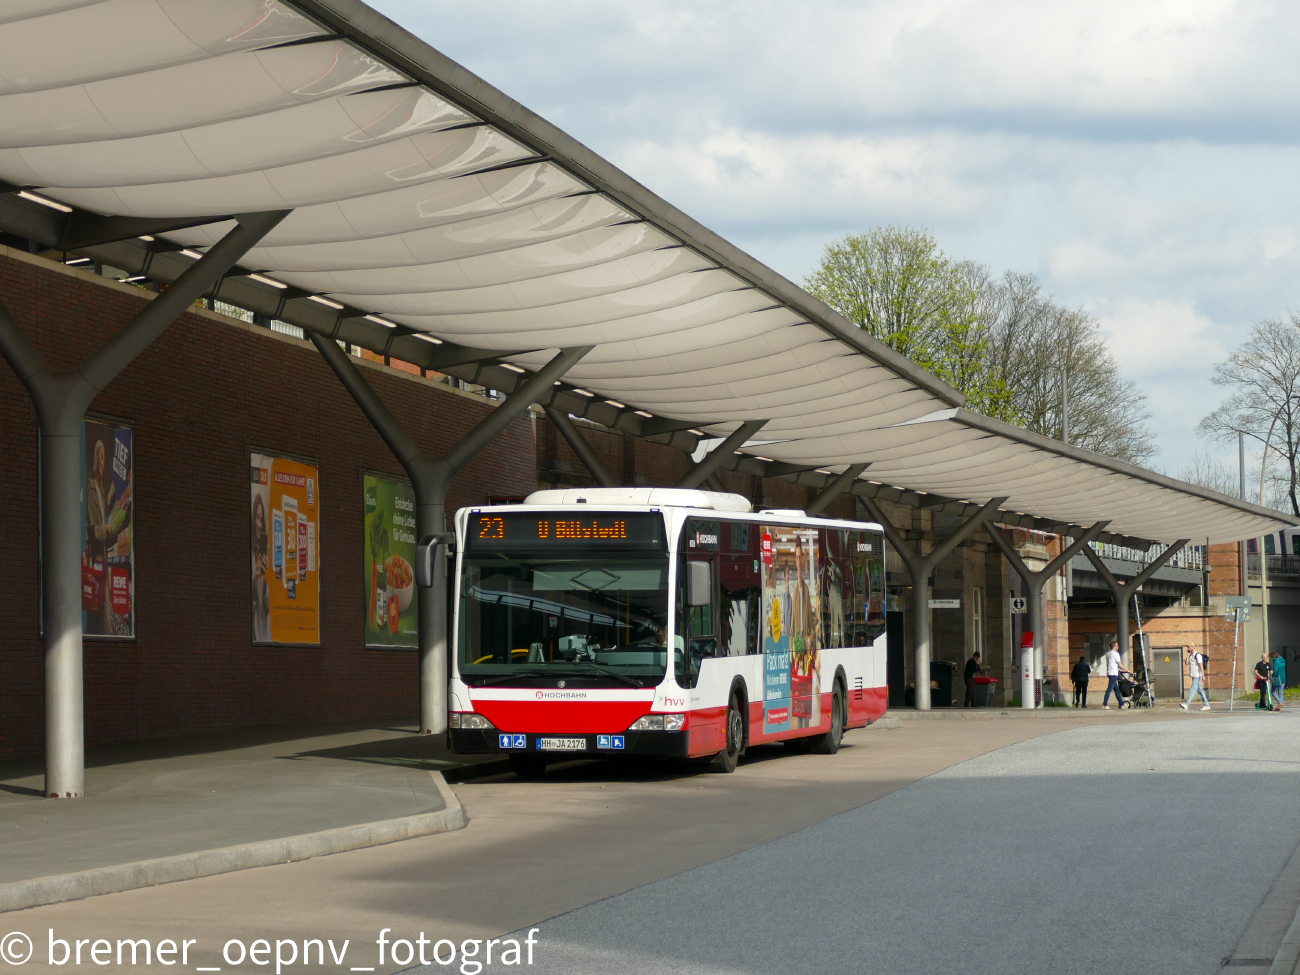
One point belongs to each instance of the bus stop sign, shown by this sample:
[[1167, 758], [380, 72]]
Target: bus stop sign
[[1238, 609]]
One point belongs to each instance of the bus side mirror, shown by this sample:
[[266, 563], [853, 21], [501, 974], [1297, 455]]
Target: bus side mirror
[[699, 584], [425, 552]]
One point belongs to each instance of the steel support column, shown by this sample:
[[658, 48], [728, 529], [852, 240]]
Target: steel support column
[[581, 447], [430, 478], [61, 400], [711, 461], [834, 489], [1034, 582], [920, 567], [1121, 591]]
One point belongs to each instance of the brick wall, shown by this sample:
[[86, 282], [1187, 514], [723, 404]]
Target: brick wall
[[199, 398], [1201, 627], [1206, 632], [1225, 575]]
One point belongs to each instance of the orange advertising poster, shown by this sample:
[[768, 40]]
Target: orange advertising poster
[[285, 518]]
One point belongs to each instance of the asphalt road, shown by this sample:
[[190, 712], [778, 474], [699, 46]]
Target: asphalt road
[[1140, 847]]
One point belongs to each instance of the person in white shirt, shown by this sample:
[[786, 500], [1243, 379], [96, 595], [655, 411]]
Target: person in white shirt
[[1112, 664], [1196, 671]]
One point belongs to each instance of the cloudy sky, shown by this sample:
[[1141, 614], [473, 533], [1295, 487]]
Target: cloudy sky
[[1140, 156]]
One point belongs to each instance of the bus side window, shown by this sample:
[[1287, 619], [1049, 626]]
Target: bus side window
[[839, 618], [700, 598], [704, 629], [739, 589]]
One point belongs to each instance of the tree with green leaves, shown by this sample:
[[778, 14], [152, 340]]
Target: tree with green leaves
[[1003, 343], [898, 286]]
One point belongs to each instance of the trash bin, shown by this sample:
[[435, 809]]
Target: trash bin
[[985, 688], [943, 675]]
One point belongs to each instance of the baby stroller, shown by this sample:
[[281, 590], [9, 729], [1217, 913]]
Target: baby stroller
[[1134, 690]]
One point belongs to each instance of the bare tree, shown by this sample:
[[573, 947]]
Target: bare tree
[[1038, 345], [1263, 377], [1217, 475]]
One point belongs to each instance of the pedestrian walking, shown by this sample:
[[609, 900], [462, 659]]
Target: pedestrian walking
[[1196, 671], [1279, 680], [972, 668], [1263, 680], [1112, 662], [1079, 675]]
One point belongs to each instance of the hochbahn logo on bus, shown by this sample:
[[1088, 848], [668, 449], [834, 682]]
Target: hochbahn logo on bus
[[560, 695]]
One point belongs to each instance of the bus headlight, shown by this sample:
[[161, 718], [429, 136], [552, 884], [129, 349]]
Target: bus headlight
[[659, 722], [474, 722]]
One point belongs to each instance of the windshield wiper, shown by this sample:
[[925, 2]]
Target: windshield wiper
[[583, 669], [610, 672], [505, 677]]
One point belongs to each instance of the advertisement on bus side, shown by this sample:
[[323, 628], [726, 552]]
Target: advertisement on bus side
[[791, 628]]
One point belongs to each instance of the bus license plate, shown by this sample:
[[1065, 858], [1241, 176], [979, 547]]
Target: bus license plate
[[561, 744]]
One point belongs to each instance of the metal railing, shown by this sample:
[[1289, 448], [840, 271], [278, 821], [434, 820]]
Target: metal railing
[[1191, 557], [1279, 567]]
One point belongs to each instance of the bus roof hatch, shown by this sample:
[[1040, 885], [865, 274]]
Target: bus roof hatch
[[654, 497]]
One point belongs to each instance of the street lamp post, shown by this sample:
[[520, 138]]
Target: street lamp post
[[1263, 558]]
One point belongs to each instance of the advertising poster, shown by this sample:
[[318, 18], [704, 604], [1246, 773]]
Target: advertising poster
[[791, 629], [285, 519], [107, 534], [391, 597]]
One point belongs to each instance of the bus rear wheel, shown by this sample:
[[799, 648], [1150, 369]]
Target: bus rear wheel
[[727, 759], [528, 766], [829, 743]]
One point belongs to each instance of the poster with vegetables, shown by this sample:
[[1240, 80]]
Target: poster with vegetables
[[284, 522], [391, 596], [791, 628], [107, 531]]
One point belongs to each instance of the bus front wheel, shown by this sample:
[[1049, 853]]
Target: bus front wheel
[[726, 760], [829, 743], [528, 766]]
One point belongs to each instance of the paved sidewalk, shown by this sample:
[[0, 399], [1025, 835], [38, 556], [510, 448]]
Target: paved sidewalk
[[172, 809], [997, 865], [1064, 714], [531, 850]]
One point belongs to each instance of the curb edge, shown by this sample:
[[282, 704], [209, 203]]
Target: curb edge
[[207, 863]]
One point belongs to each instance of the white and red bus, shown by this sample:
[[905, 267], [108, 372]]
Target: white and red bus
[[566, 607]]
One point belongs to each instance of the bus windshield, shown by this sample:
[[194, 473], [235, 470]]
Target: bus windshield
[[600, 616]]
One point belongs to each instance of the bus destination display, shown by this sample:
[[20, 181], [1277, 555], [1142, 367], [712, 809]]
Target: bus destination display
[[612, 531]]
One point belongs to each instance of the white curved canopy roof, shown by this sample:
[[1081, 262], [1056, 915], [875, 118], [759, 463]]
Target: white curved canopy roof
[[422, 195]]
